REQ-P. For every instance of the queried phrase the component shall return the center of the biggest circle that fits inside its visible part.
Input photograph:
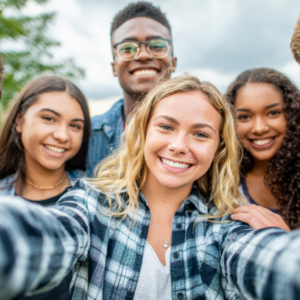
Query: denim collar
(106, 121)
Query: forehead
(256, 95)
(140, 28)
(189, 108)
(60, 102)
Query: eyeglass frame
(139, 47)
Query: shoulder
(75, 174)
(7, 185)
(110, 116)
(82, 192)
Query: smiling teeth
(145, 72)
(262, 142)
(175, 164)
(55, 149)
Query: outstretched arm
(39, 246)
(264, 264)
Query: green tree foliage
(31, 56)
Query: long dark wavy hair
(12, 158)
(283, 175)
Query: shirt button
(111, 149)
(180, 296)
(178, 226)
(107, 127)
(176, 255)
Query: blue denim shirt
(105, 137)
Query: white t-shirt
(155, 279)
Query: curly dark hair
(283, 175)
(139, 9)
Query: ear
(19, 122)
(114, 68)
(174, 63)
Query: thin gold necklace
(48, 187)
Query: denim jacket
(105, 137)
(208, 260)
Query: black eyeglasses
(158, 48)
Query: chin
(263, 157)
(144, 89)
(171, 184)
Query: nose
(259, 126)
(143, 54)
(179, 144)
(61, 133)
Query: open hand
(258, 217)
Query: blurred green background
(28, 52)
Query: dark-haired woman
(42, 145)
(268, 121)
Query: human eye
(128, 48)
(48, 118)
(201, 135)
(243, 117)
(165, 127)
(274, 112)
(76, 126)
(158, 44)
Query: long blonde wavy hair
(127, 169)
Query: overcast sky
(213, 39)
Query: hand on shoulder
(259, 217)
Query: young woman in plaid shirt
(155, 223)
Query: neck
(164, 200)
(130, 101)
(260, 167)
(40, 175)
(43, 177)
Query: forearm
(38, 247)
(264, 264)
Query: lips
(173, 164)
(144, 72)
(262, 143)
(57, 150)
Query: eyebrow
(194, 126)
(266, 107)
(272, 105)
(150, 37)
(59, 115)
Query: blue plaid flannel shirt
(208, 260)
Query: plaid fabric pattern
(208, 260)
